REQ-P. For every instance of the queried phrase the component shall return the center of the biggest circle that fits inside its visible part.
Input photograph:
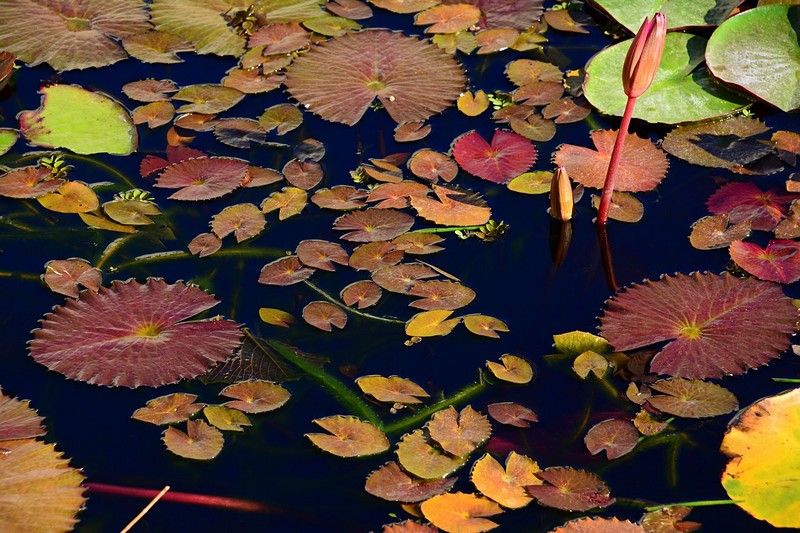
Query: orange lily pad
(603, 525)
(396, 195)
(276, 317)
(512, 414)
(391, 483)
(324, 315)
(512, 369)
(570, 489)
(506, 485)
(453, 208)
(400, 278)
(320, 254)
(169, 409)
(431, 165)
(458, 511)
(473, 105)
(418, 243)
(71, 197)
(284, 271)
(448, 18)
(373, 225)
(459, 433)
(431, 324)
(225, 418)
(362, 293)
(440, 295)
(392, 389)
(245, 221)
(201, 441)
(290, 201)
(149, 90)
(374, 255)
(715, 231)
(348, 436)
(692, 398)
(255, 396)
(419, 457)
(486, 326)
(340, 197)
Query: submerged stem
(446, 230)
(348, 309)
(700, 503)
(174, 255)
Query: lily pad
(348, 437)
(676, 82)
(570, 489)
(255, 396)
(512, 414)
(200, 441)
(458, 511)
(245, 221)
(717, 324)
(133, 334)
(79, 120)
(373, 225)
(692, 398)
(459, 433)
(506, 485)
(757, 51)
(199, 22)
(18, 420)
(746, 202)
(391, 483)
(391, 389)
(375, 255)
(203, 178)
(679, 13)
(616, 436)
(418, 456)
(339, 79)
(362, 293)
(779, 261)
(452, 208)
(64, 276)
(168, 409)
(324, 315)
(225, 418)
(508, 156)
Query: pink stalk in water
(641, 65)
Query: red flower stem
(185, 497)
(613, 164)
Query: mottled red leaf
(134, 334)
(391, 483)
(28, 182)
(64, 276)
(321, 254)
(779, 261)
(340, 197)
(284, 271)
(399, 278)
(508, 156)
(205, 244)
(616, 436)
(203, 178)
(570, 489)
(303, 175)
(373, 225)
(440, 295)
(747, 202)
(168, 409)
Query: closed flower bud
(562, 203)
(644, 56)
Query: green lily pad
(680, 13)
(758, 51)
(8, 138)
(79, 120)
(678, 94)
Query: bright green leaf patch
(79, 120)
(680, 13)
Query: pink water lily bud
(562, 203)
(644, 56)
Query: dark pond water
(515, 279)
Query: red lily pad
(391, 483)
(339, 79)
(440, 295)
(133, 334)
(303, 174)
(324, 315)
(418, 243)
(747, 202)
(373, 225)
(717, 324)
(779, 261)
(205, 244)
(280, 38)
(507, 157)
(245, 221)
(642, 164)
(203, 178)
(400, 278)
(396, 195)
(570, 489)
(255, 396)
(374, 255)
(512, 414)
(201, 441)
(616, 436)
(362, 293)
(517, 14)
(149, 90)
(284, 271)
(28, 182)
(320, 254)
(351, 9)
(64, 276)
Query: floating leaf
(576, 342)
(506, 485)
(200, 23)
(391, 483)
(303, 174)
(739, 55)
(570, 489)
(524, 71)
(280, 38)
(39, 491)
(747, 202)
(71, 197)
(396, 195)
(282, 118)
(431, 165)
(154, 114)
(713, 232)
(563, 20)
(65, 275)
(149, 90)
(487, 326)
(508, 156)
(616, 436)
(472, 105)
(324, 315)
(28, 182)
(352, 9)
(459, 433)
(391, 389)
(537, 182)
(590, 361)
(251, 82)
(431, 324)
(512, 369)
(677, 81)
(340, 197)
(517, 14)
(779, 261)
(103, 222)
(448, 18)
(495, 40)
(458, 511)
(625, 207)
(168, 409)
(400, 278)
(133, 334)
(762, 442)
(331, 26)
(255, 396)
(668, 520)
(405, 6)
(201, 441)
(321, 254)
(339, 79)
(418, 243)
(18, 421)
(718, 324)
(383, 171)
(440, 295)
(601, 525)
(203, 178)
(156, 47)
(374, 255)
(373, 225)
(276, 317)
(258, 359)
(363, 293)
(419, 457)
(692, 398)
(411, 131)
(642, 165)
(512, 414)
(290, 201)
(284, 271)
(409, 526)
(239, 132)
(69, 35)
(245, 221)
(132, 212)
(207, 98)
(205, 244)
(225, 418)
(79, 120)
(453, 208)
(348, 437)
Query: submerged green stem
(113, 247)
(700, 503)
(450, 229)
(786, 380)
(174, 255)
(348, 309)
(459, 397)
(341, 392)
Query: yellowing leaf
(460, 512)
(72, 197)
(419, 457)
(473, 105)
(290, 201)
(431, 323)
(577, 342)
(391, 389)
(537, 182)
(168, 409)
(487, 326)
(449, 209)
(225, 418)
(276, 317)
(348, 437)
(511, 368)
(506, 485)
(459, 433)
(255, 396)
(590, 361)
(764, 445)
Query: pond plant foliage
(664, 350)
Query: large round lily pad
(679, 92)
(680, 13)
(79, 120)
(758, 51)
